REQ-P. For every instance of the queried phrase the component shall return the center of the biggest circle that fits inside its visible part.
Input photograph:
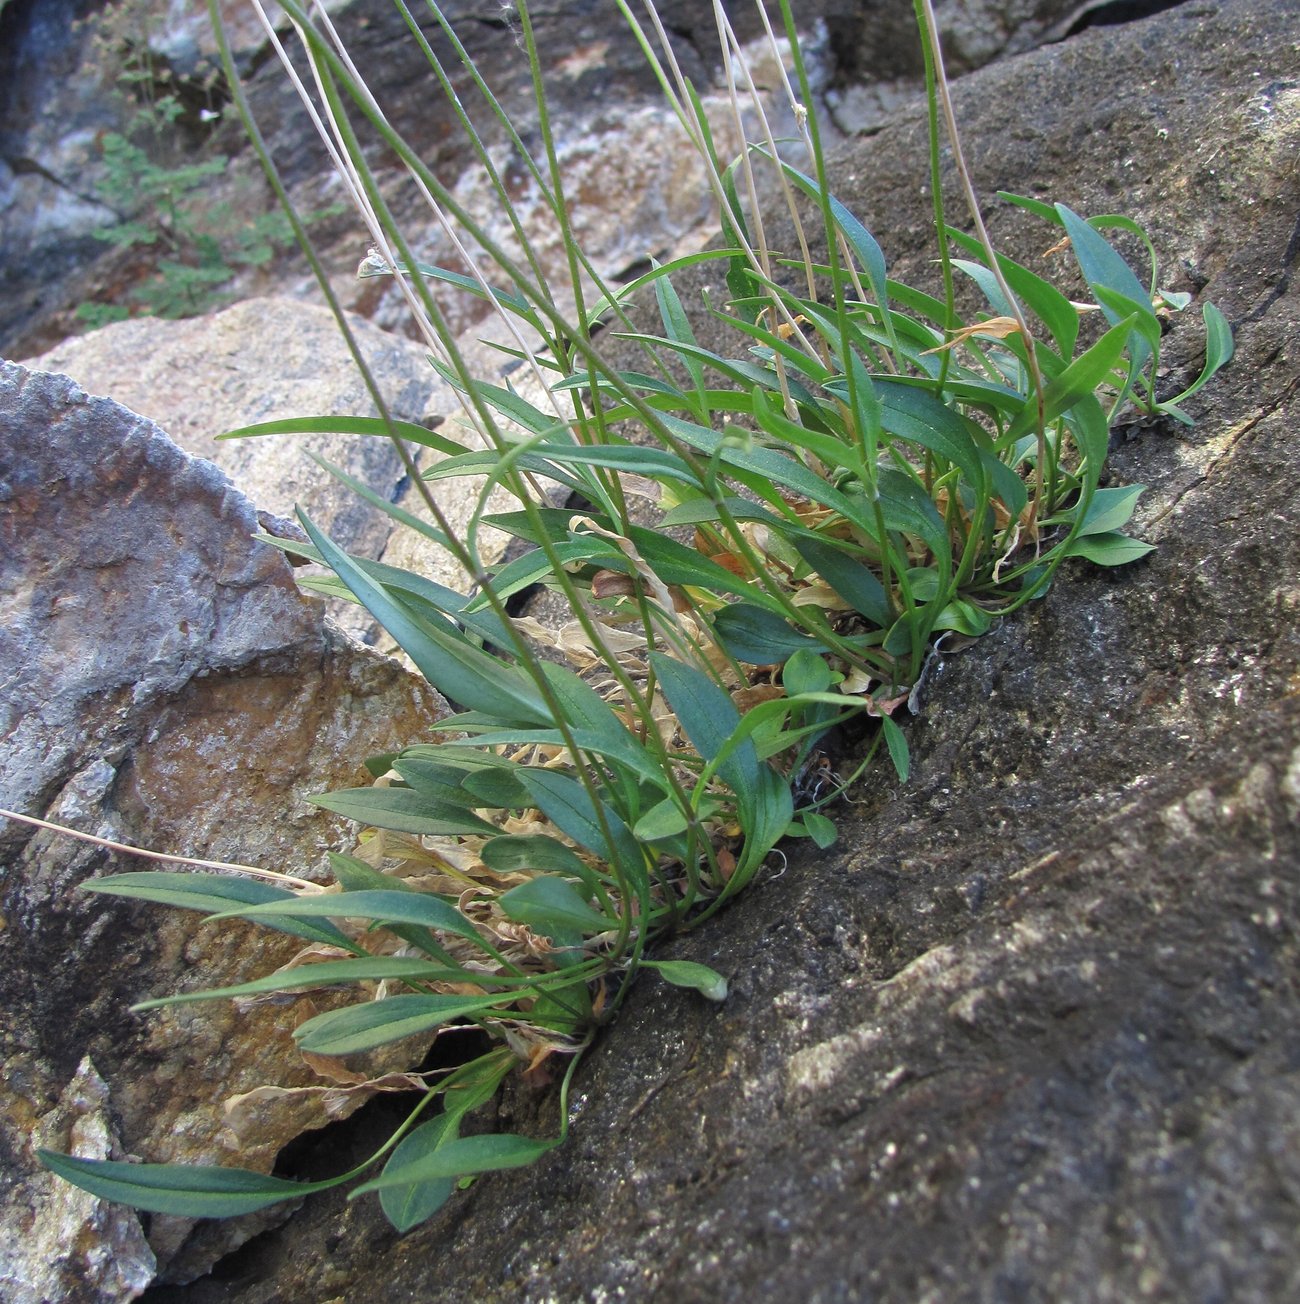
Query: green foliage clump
(859, 473)
(157, 179)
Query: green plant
(860, 473)
(161, 199)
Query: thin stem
(269, 875)
(930, 29)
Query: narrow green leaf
(383, 504)
(553, 522)
(1102, 266)
(333, 425)
(488, 460)
(326, 973)
(583, 708)
(1219, 347)
(460, 1158)
(697, 510)
(861, 240)
(766, 809)
(850, 578)
(377, 1023)
(450, 663)
(1035, 206)
(919, 417)
(654, 463)
(435, 777)
(356, 876)
(620, 748)
(896, 742)
(1087, 423)
(675, 563)
(625, 293)
(708, 717)
(507, 298)
(738, 372)
(833, 452)
(188, 1190)
(1041, 297)
(523, 413)
(523, 851)
(534, 566)
(214, 894)
(1120, 306)
(385, 906)
(758, 636)
(1075, 384)
(403, 810)
(568, 805)
(498, 788)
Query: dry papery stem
(125, 848)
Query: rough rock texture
(265, 360)
(162, 683)
(268, 359)
(1031, 1031)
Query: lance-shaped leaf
(450, 663)
(708, 718)
(568, 805)
(188, 1190)
(1077, 383)
(393, 906)
(1103, 267)
(339, 425)
(214, 894)
(533, 851)
(461, 1158)
(402, 809)
(386, 968)
(758, 636)
(376, 1023)
(554, 907)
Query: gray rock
(1031, 1030)
(269, 359)
(266, 360)
(162, 683)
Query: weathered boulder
(265, 360)
(269, 359)
(162, 683)
(1032, 1029)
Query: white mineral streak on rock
(58, 1242)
